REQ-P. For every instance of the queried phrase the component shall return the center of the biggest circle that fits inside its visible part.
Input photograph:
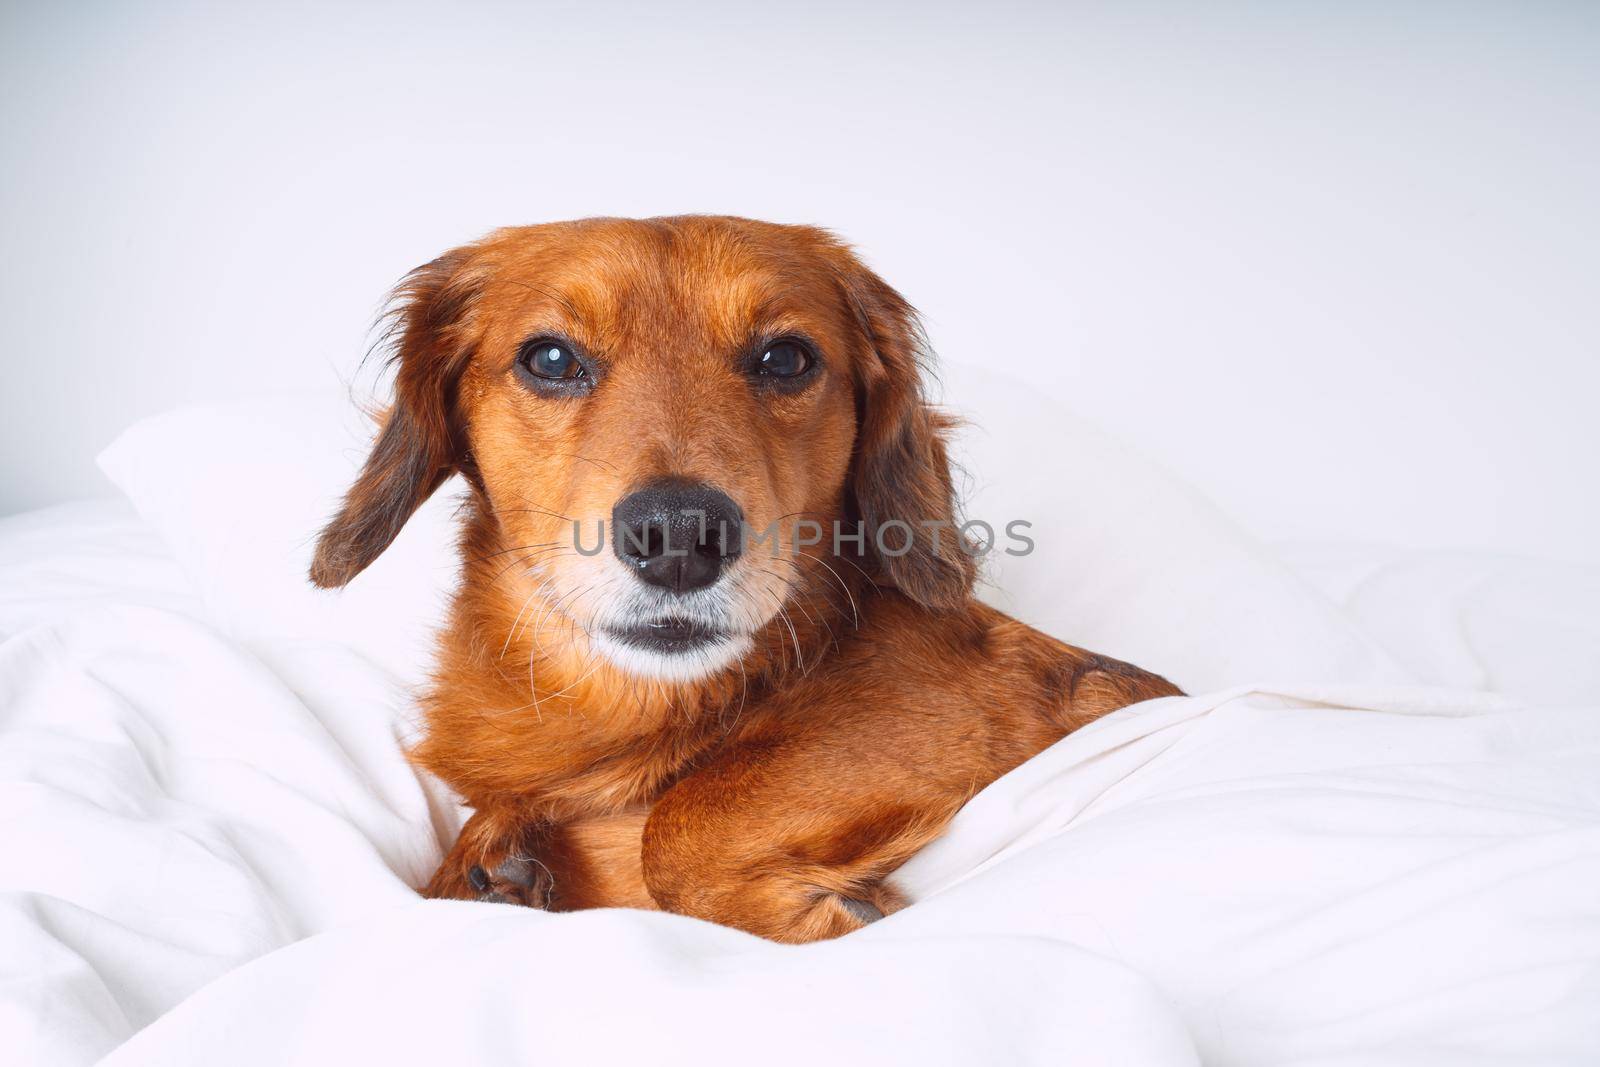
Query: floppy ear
(418, 445)
(902, 471)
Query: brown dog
(756, 731)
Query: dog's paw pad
(514, 880)
(522, 873)
(865, 911)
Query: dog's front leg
(782, 848)
(495, 858)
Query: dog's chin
(672, 650)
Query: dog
(757, 734)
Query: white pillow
(1126, 562)
(1132, 563)
(240, 491)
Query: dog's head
(648, 412)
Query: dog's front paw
(514, 880)
(495, 858)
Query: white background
(1333, 263)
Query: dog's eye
(549, 359)
(784, 359)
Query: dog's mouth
(668, 635)
(650, 633)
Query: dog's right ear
(420, 443)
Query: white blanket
(209, 849)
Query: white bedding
(209, 844)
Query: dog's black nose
(677, 534)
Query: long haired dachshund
(716, 714)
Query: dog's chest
(608, 773)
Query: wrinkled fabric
(211, 848)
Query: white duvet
(1377, 846)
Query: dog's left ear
(901, 480)
(419, 445)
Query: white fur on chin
(689, 666)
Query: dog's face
(651, 395)
(652, 411)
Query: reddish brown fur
(770, 795)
